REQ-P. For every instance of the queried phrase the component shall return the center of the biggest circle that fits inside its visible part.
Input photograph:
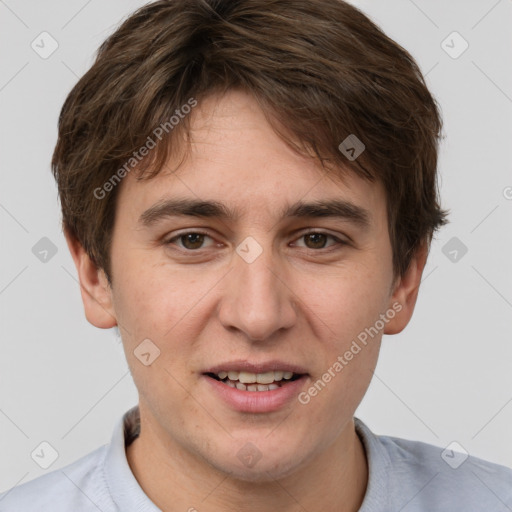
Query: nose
(258, 299)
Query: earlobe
(405, 293)
(94, 287)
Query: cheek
(340, 384)
(345, 303)
(346, 309)
(151, 298)
(167, 306)
(152, 303)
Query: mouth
(255, 386)
(247, 381)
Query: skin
(299, 301)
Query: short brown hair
(319, 68)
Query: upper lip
(251, 367)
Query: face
(258, 291)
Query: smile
(256, 392)
(247, 381)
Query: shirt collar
(379, 469)
(124, 489)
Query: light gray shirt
(404, 476)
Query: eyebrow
(185, 207)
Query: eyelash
(338, 245)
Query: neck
(176, 480)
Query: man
(249, 194)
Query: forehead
(236, 165)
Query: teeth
(265, 378)
(233, 375)
(246, 377)
(252, 387)
(255, 378)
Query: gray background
(446, 377)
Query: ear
(94, 287)
(405, 292)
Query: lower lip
(257, 401)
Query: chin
(263, 474)
(253, 465)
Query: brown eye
(317, 240)
(190, 241)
